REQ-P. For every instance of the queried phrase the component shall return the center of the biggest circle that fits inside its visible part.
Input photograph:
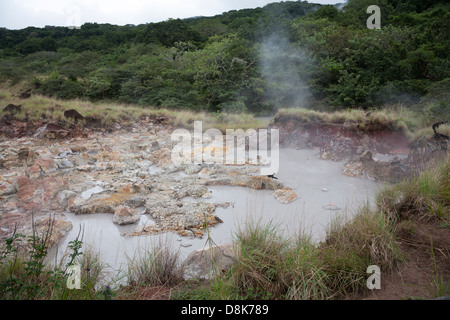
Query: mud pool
(324, 194)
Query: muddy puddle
(324, 194)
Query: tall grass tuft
(269, 266)
(259, 266)
(158, 266)
(423, 197)
(352, 246)
(305, 277)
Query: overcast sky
(18, 14)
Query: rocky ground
(48, 170)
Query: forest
(285, 54)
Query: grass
(352, 246)
(396, 117)
(24, 274)
(158, 266)
(103, 114)
(425, 196)
(438, 287)
(271, 267)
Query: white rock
(124, 215)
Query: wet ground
(324, 194)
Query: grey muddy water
(324, 194)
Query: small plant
(107, 292)
(158, 266)
(26, 276)
(438, 287)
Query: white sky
(18, 14)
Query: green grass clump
(350, 247)
(424, 196)
(158, 266)
(259, 267)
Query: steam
(284, 68)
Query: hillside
(287, 54)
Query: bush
(158, 266)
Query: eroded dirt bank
(372, 150)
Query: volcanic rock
(12, 108)
(285, 195)
(51, 131)
(26, 94)
(209, 262)
(73, 114)
(37, 194)
(8, 185)
(124, 215)
(366, 166)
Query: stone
(191, 190)
(52, 131)
(41, 167)
(189, 219)
(209, 262)
(135, 201)
(285, 195)
(242, 180)
(37, 194)
(79, 206)
(26, 94)
(26, 155)
(8, 185)
(12, 108)
(65, 164)
(366, 156)
(162, 157)
(81, 159)
(332, 207)
(46, 164)
(73, 114)
(124, 215)
(155, 146)
(64, 197)
(104, 166)
(366, 166)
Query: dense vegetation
(257, 60)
